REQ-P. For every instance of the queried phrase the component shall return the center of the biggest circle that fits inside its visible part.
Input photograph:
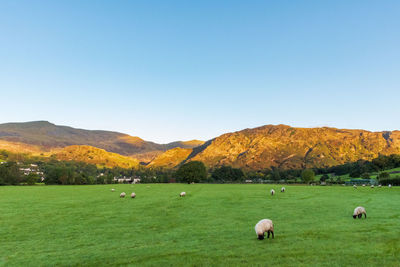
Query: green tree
(275, 175)
(227, 174)
(32, 178)
(59, 174)
(194, 171)
(355, 173)
(10, 173)
(308, 176)
(109, 179)
(90, 180)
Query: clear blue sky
(179, 70)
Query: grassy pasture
(212, 225)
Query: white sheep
(372, 186)
(122, 194)
(133, 195)
(359, 211)
(389, 185)
(182, 194)
(363, 185)
(380, 186)
(263, 226)
(283, 189)
(354, 186)
(272, 192)
(113, 190)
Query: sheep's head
(354, 216)
(261, 237)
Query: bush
(324, 177)
(383, 176)
(391, 180)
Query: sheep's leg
(272, 232)
(365, 215)
(359, 216)
(268, 234)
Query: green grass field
(212, 225)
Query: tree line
(79, 173)
(196, 172)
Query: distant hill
(184, 144)
(43, 136)
(96, 156)
(152, 155)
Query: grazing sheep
(272, 192)
(380, 186)
(113, 190)
(389, 185)
(263, 226)
(363, 185)
(182, 194)
(359, 211)
(354, 186)
(133, 195)
(372, 186)
(122, 194)
(283, 190)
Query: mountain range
(268, 146)
(46, 137)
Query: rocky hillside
(151, 156)
(288, 148)
(171, 158)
